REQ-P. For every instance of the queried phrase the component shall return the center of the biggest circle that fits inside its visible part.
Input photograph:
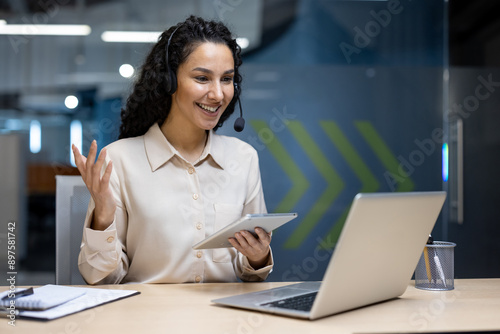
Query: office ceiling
(42, 70)
(34, 6)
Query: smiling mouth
(207, 108)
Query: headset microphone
(239, 124)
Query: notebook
(374, 259)
(45, 297)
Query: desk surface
(186, 308)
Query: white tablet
(267, 221)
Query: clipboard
(81, 299)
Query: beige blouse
(165, 205)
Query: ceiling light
(131, 36)
(126, 70)
(75, 133)
(243, 42)
(35, 136)
(45, 29)
(71, 102)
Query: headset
(239, 124)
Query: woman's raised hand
(98, 186)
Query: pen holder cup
(435, 269)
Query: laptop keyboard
(302, 302)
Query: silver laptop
(374, 259)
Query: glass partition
(339, 97)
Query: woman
(170, 181)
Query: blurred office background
(339, 97)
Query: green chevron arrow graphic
(333, 180)
(300, 183)
(354, 160)
(385, 155)
(329, 195)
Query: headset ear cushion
(171, 82)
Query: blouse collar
(159, 150)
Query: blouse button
(198, 255)
(190, 170)
(110, 239)
(197, 279)
(199, 226)
(195, 196)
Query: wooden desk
(186, 308)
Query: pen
(426, 259)
(440, 269)
(18, 293)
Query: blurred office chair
(72, 199)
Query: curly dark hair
(149, 101)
